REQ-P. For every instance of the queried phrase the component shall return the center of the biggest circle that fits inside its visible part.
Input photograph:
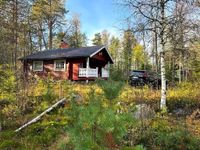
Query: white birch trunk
(162, 60)
(40, 116)
(163, 81)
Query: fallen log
(42, 114)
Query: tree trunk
(180, 72)
(163, 80)
(173, 71)
(162, 61)
(40, 37)
(42, 34)
(50, 34)
(156, 51)
(0, 127)
(144, 49)
(50, 26)
(14, 31)
(30, 42)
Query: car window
(138, 73)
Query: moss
(6, 135)
(10, 144)
(137, 147)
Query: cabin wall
(71, 71)
(72, 67)
(48, 70)
(102, 56)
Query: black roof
(64, 53)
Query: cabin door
(70, 71)
(99, 71)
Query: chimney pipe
(63, 44)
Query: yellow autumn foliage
(129, 94)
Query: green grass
(51, 128)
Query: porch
(93, 73)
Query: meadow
(98, 115)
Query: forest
(160, 37)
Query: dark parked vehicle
(154, 80)
(138, 77)
(144, 77)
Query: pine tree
(49, 13)
(129, 42)
(76, 38)
(114, 48)
(97, 40)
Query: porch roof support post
(108, 69)
(97, 72)
(87, 68)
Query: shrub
(94, 125)
(162, 133)
(185, 96)
(137, 147)
(64, 144)
(8, 83)
(110, 88)
(117, 74)
(193, 123)
(176, 139)
(42, 135)
(6, 135)
(9, 145)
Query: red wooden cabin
(86, 63)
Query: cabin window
(59, 65)
(37, 65)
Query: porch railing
(105, 73)
(93, 72)
(84, 72)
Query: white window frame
(55, 69)
(33, 67)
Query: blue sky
(96, 15)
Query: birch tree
(156, 16)
(105, 35)
(152, 12)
